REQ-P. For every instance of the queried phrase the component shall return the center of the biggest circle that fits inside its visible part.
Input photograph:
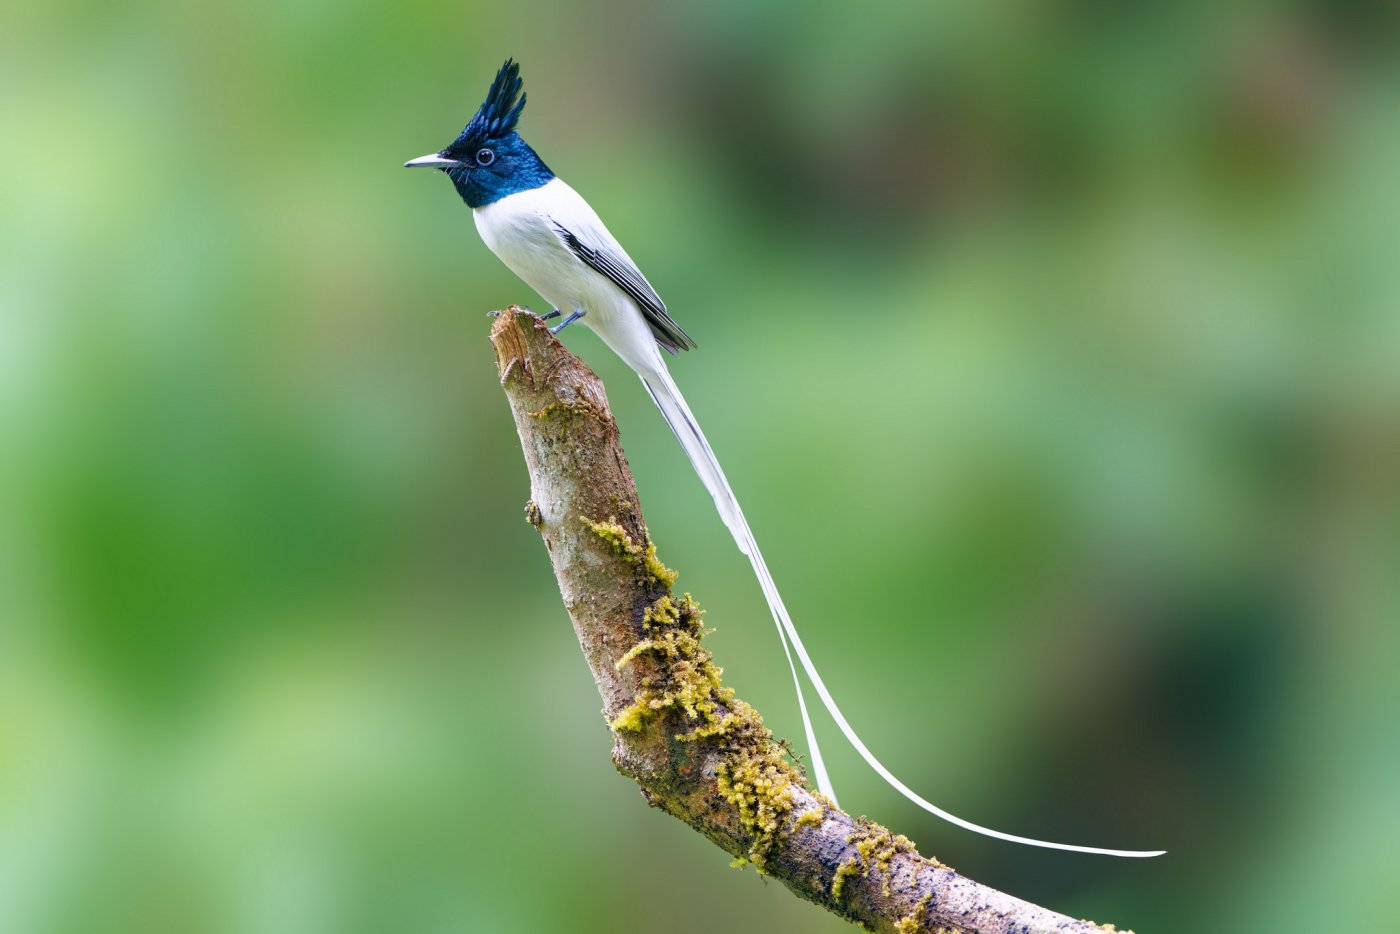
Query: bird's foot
(567, 321)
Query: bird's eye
(485, 157)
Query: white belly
(518, 229)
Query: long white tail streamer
(669, 400)
(673, 408)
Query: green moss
(562, 409)
(875, 846)
(614, 534)
(690, 681)
(843, 872)
(633, 718)
(910, 923)
(812, 818)
(665, 612)
(758, 782)
(683, 687)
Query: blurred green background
(1053, 349)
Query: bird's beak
(434, 160)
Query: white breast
(519, 229)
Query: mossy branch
(698, 752)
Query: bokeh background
(1052, 347)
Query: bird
(549, 236)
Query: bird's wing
(602, 253)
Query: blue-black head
(489, 160)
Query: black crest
(500, 112)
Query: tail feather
(669, 400)
(672, 404)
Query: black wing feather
(630, 280)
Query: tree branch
(699, 753)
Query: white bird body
(521, 230)
(526, 230)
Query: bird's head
(489, 160)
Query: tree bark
(699, 753)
